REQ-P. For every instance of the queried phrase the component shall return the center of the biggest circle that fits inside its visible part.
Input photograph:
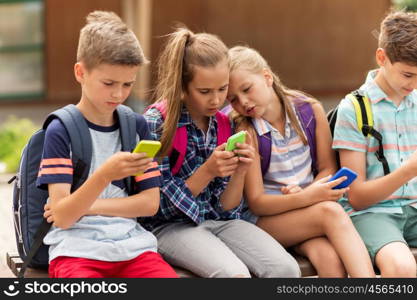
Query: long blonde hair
(184, 49)
(249, 59)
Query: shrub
(410, 5)
(14, 134)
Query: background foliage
(14, 134)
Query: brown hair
(249, 59)
(106, 39)
(398, 37)
(184, 49)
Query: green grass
(14, 134)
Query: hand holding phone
(351, 176)
(239, 137)
(151, 148)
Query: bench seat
(14, 262)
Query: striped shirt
(290, 158)
(398, 125)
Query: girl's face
(249, 93)
(207, 91)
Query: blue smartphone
(351, 175)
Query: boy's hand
(48, 213)
(321, 190)
(124, 164)
(222, 163)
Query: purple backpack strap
(227, 109)
(264, 148)
(308, 122)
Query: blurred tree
(410, 5)
(14, 134)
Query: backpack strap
(127, 125)
(226, 109)
(37, 243)
(81, 144)
(307, 119)
(364, 119)
(81, 147)
(180, 145)
(179, 142)
(223, 128)
(264, 148)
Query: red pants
(146, 265)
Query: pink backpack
(180, 139)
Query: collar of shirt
(262, 126)
(376, 94)
(185, 118)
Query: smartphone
(151, 148)
(351, 176)
(239, 137)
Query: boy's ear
(79, 72)
(268, 77)
(381, 57)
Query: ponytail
(183, 50)
(170, 84)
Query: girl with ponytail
(198, 224)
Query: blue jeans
(232, 248)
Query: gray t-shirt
(95, 237)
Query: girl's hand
(222, 163)
(321, 190)
(291, 189)
(124, 164)
(48, 213)
(246, 154)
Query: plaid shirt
(177, 202)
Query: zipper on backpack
(17, 225)
(12, 179)
(17, 219)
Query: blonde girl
(290, 202)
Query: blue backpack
(29, 200)
(307, 119)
